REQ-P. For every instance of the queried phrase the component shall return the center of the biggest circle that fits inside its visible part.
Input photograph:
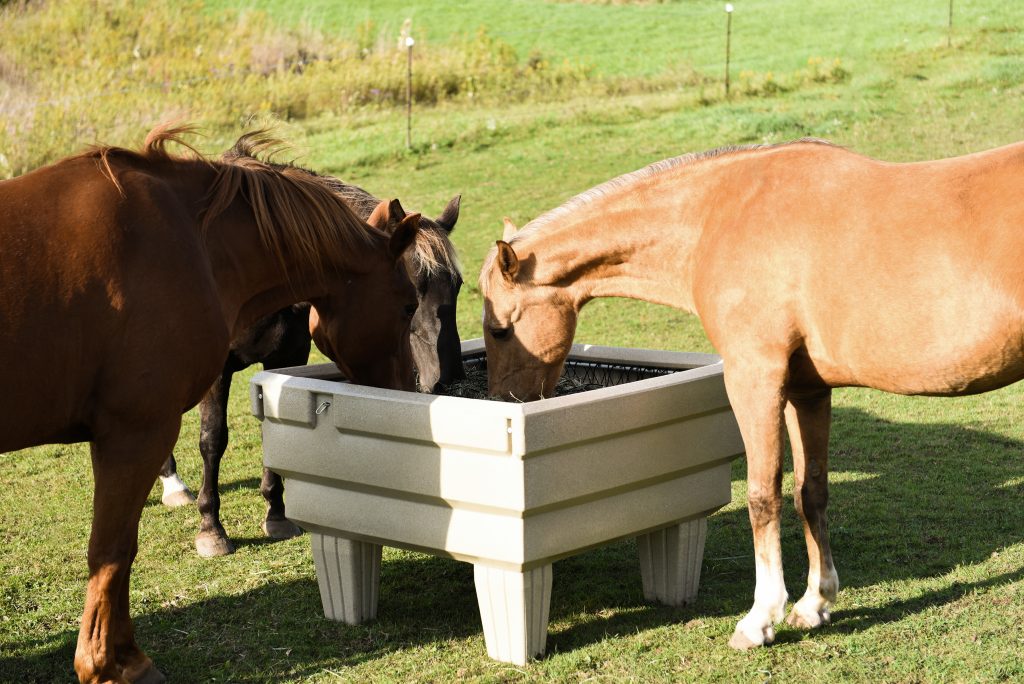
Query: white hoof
(178, 499)
(809, 616)
(176, 493)
(751, 633)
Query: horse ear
(396, 210)
(508, 262)
(450, 214)
(379, 216)
(404, 236)
(509, 230)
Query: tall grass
(79, 71)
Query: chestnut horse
(283, 339)
(114, 258)
(810, 267)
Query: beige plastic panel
(631, 406)
(505, 537)
(466, 534)
(360, 461)
(562, 532)
(631, 457)
(517, 484)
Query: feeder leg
(670, 561)
(348, 573)
(514, 610)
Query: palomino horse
(283, 339)
(114, 258)
(810, 267)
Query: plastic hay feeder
(508, 487)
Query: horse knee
(213, 441)
(764, 508)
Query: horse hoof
(281, 529)
(211, 545)
(150, 676)
(178, 499)
(808, 621)
(740, 641)
(143, 671)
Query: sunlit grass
(925, 508)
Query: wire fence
(713, 71)
(528, 41)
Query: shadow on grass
(909, 501)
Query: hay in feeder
(475, 386)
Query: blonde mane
(620, 182)
(654, 169)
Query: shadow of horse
(909, 501)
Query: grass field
(926, 514)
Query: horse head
(528, 327)
(363, 323)
(434, 334)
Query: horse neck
(636, 241)
(252, 280)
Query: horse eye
(500, 333)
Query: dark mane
(295, 211)
(153, 149)
(434, 254)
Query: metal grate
(589, 374)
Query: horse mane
(295, 211)
(654, 169)
(434, 254)
(586, 197)
(153, 149)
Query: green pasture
(926, 507)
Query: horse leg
(808, 419)
(212, 540)
(294, 353)
(125, 465)
(276, 525)
(176, 492)
(757, 397)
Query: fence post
(949, 30)
(728, 44)
(409, 42)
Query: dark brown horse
(283, 339)
(810, 267)
(113, 258)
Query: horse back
(97, 284)
(903, 277)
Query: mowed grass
(926, 515)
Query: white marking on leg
(176, 493)
(173, 484)
(758, 626)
